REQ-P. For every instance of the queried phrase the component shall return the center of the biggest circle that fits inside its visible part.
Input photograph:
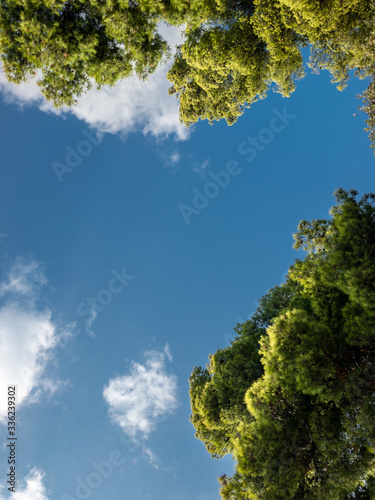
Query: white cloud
(167, 351)
(205, 164)
(24, 94)
(153, 459)
(137, 399)
(31, 489)
(28, 336)
(25, 278)
(131, 105)
(201, 167)
(175, 157)
(90, 321)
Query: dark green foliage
(218, 400)
(369, 107)
(293, 397)
(365, 492)
(71, 44)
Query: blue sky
(110, 295)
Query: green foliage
(218, 72)
(235, 50)
(364, 492)
(69, 45)
(368, 96)
(292, 398)
(217, 392)
(369, 107)
(238, 53)
(225, 64)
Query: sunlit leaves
(293, 397)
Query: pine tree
(293, 397)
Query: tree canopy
(232, 58)
(292, 398)
(234, 52)
(72, 44)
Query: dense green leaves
(217, 392)
(293, 397)
(72, 44)
(218, 72)
(235, 50)
(369, 95)
(231, 60)
(226, 65)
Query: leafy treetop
(235, 50)
(292, 398)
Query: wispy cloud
(32, 488)
(138, 399)
(90, 321)
(167, 351)
(169, 156)
(28, 335)
(201, 167)
(25, 278)
(150, 456)
(129, 106)
(175, 157)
